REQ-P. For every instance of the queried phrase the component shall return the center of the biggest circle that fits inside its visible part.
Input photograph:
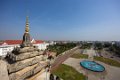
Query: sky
(61, 19)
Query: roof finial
(27, 25)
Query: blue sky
(61, 19)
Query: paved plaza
(111, 72)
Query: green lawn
(107, 61)
(68, 73)
(79, 56)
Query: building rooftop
(13, 42)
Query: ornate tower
(26, 37)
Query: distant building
(8, 45)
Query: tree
(98, 46)
(107, 45)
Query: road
(109, 55)
(61, 59)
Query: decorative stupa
(26, 37)
(25, 61)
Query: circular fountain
(92, 65)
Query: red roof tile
(1, 43)
(13, 42)
(39, 41)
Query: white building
(8, 45)
(41, 44)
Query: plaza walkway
(111, 72)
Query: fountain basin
(92, 65)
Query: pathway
(61, 59)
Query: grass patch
(68, 73)
(79, 56)
(107, 61)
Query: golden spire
(27, 25)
